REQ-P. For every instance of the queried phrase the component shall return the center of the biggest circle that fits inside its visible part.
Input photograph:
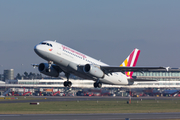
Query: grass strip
(112, 106)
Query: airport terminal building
(165, 79)
(171, 75)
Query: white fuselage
(67, 58)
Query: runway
(137, 116)
(85, 98)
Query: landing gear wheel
(97, 84)
(67, 84)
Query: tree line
(29, 76)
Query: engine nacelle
(44, 68)
(93, 70)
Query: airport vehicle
(64, 59)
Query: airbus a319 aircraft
(61, 58)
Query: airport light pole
(21, 70)
(34, 77)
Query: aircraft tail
(131, 61)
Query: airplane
(61, 58)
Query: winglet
(131, 61)
(167, 68)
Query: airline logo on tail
(131, 61)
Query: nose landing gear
(49, 67)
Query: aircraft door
(59, 49)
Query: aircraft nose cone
(37, 49)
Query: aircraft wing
(53, 65)
(109, 69)
(35, 65)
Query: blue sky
(104, 29)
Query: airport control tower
(9, 74)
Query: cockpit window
(44, 43)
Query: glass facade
(172, 75)
(158, 74)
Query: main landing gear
(67, 83)
(97, 84)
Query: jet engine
(93, 70)
(52, 71)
